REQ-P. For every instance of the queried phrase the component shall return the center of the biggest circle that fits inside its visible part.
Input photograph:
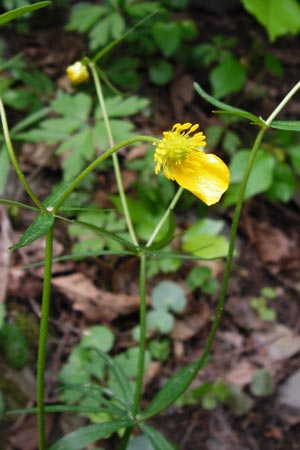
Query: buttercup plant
(181, 157)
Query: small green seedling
(260, 304)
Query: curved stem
(114, 155)
(43, 339)
(94, 164)
(165, 216)
(235, 222)
(15, 163)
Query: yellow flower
(179, 155)
(77, 73)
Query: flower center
(177, 145)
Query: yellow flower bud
(77, 73)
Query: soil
(268, 255)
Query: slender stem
(142, 348)
(125, 438)
(235, 222)
(283, 102)
(94, 164)
(114, 155)
(14, 161)
(43, 339)
(142, 342)
(165, 216)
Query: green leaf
(139, 442)
(4, 201)
(203, 240)
(168, 295)
(11, 15)
(160, 320)
(128, 360)
(167, 36)
(4, 168)
(38, 228)
(261, 384)
(278, 17)
(228, 109)
(30, 120)
(168, 237)
(84, 436)
(260, 179)
(14, 345)
(119, 374)
(156, 439)
(170, 392)
(161, 73)
(118, 106)
(77, 106)
(84, 16)
(284, 183)
(291, 125)
(228, 77)
(206, 246)
(102, 231)
(2, 315)
(99, 337)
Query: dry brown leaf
(188, 327)
(95, 304)
(272, 244)
(241, 374)
(182, 94)
(277, 344)
(25, 437)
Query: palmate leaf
(84, 436)
(38, 228)
(228, 109)
(11, 15)
(156, 438)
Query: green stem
(165, 216)
(43, 339)
(14, 161)
(125, 438)
(114, 155)
(142, 342)
(94, 164)
(234, 227)
(142, 349)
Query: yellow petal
(205, 175)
